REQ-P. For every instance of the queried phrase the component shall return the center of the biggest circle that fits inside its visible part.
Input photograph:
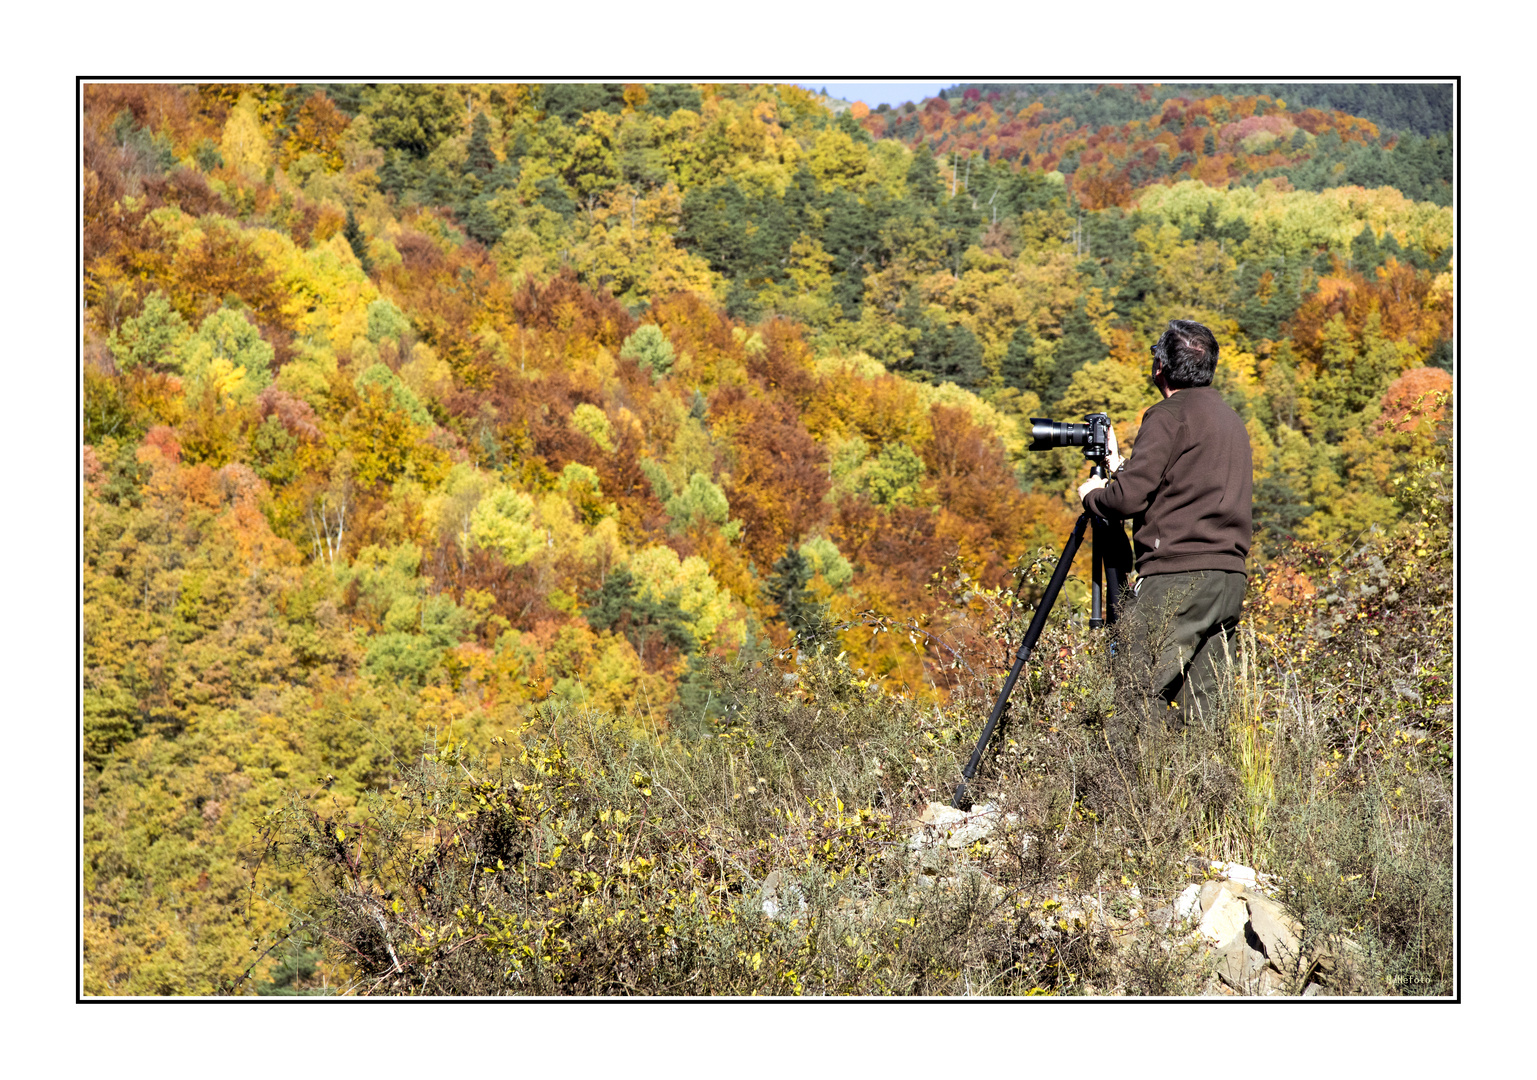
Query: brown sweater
(1187, 488)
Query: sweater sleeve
(1131, 492)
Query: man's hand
(1093, 483)
(1113, 459)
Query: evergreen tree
(1441, 356)
(355, 240)
(482, 223)
(664, 99)
(1080, 344)
(1138, 282)
(923, 176)
(619, 605)
(851, 127)
(700, 701)
(1278, 509)
(553, 196)
(480, 157)
(950, 354)
(1390, 249)
(1262, 311)
(798, 610)
(1018, 369)
(570, 100)
(1364, 256)
(207, 155)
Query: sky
(874, 94)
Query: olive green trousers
(1174, 647)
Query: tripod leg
(1026, 647)
(1113, 552)
(1096, 588)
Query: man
(1187, 490)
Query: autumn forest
(415, 416)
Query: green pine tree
(354, 236)
(788, 587)
(1018, 369)
(480, 157)
(923, 177)
(619, 605)
(1080, 345)
(1364, 254)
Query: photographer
(1187, 491)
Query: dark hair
(1188, 354)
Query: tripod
(1112, 559)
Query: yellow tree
(244, 143)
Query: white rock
(1224, 920)
(957, 828)
(1236, 872)
(1188, 904)
(780, 894)
(940, 814)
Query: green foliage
(386, 321)
(227, 356)
(619, 604)
(894, 476)
(413, 118)
(507, 522)
(648, 346)
(581, 485)
(415, 634)
(826, 561)
(1079, 346)
(701, 502)
(402, 395)
(152, 337)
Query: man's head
(1186, 355)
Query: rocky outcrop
(1231, 922)
(1254, 945)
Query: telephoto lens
(1050, 434)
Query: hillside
(419, 417)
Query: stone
(1339, 966)
(1188, 904)
(1211, 890)
(957, 828)
(940, 814)
(780, 896)
(1239, 965)
(1277, 930)
(1232, 871)
(1225, 919)
(1271, 983)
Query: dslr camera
(1093, 436)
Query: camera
(1093, 436)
